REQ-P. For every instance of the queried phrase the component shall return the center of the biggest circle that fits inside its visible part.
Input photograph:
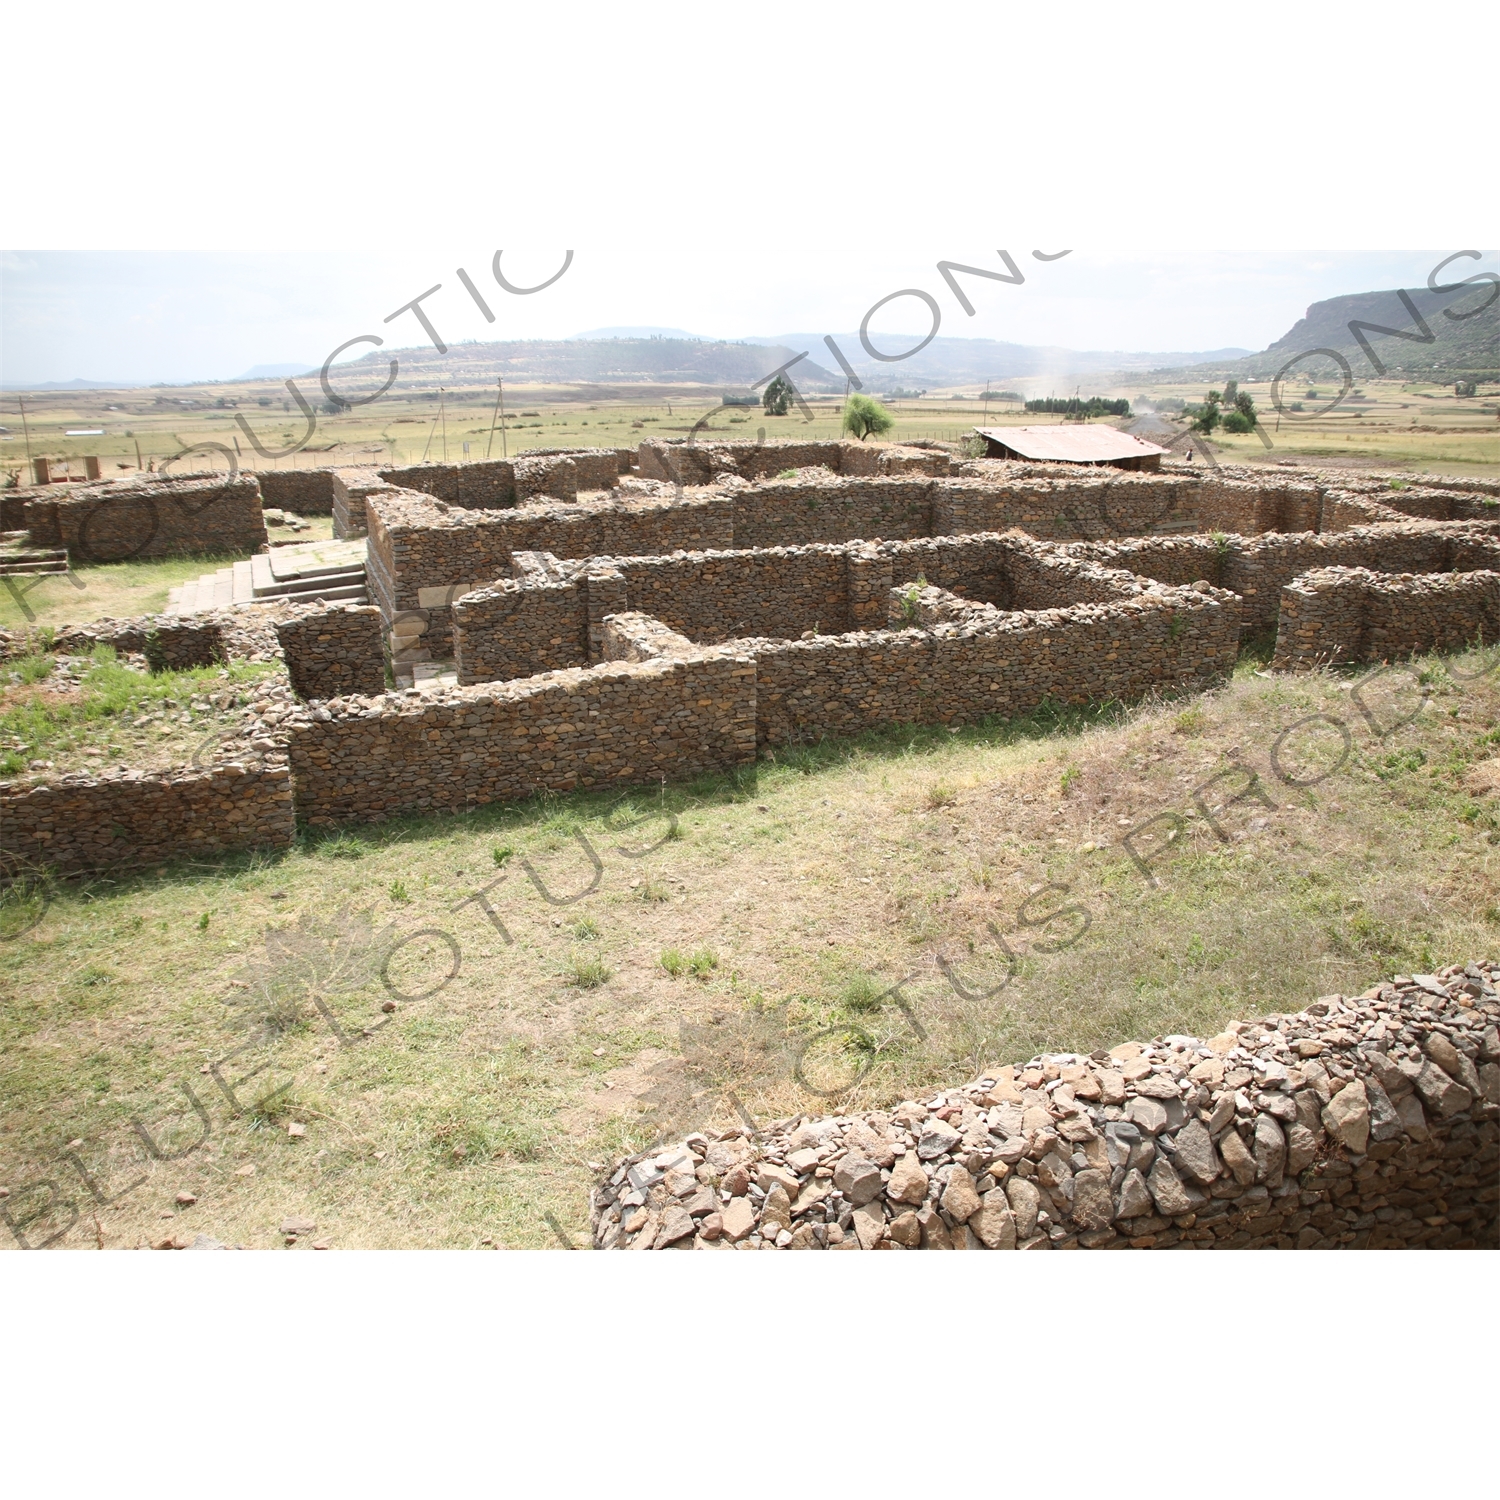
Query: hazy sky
(200, 190)
(147, 316)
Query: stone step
(244, 586)
(267, 585)
(223, 593)
(335, 589)
(33, 565)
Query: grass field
(1419, 423)
(459, 1099)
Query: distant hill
(1458, 346)
(604, 362)
(956, 361)
(604, 359)
(275, 372)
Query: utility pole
(443, 418)
(27, 432)
(499, 397)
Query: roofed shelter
(1071, 443)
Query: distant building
(1071, 443)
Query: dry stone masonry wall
(1361, 1122)
(134, 518)
(362, 760)
(334, 651)
(78, 822)
(1333, 615)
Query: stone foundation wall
(1064, 508)
(490, 485)
(637, 637)
(519, 627)
(996, 663)
(613, 724)
(711, 596)
(168, 642)
(140, 518)
(423, 554)
(1352, 614)
(539, 479)
(1368, 1122)
(596, 468)
(792, 512)
(333, 651)
(1258, 568)
(351, 487)
(304, 492)
(79, 823)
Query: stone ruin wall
(1258, 568)
(1340, 615)
(636, 637)
(1005, 666)
(333, 651)
(1022, 622)
(1364, 1122)
(304, 492)
(363, 760)
(133, 518)
(79, 822)
(499, 483)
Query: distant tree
(1206, 417)
(1231, 393)
(863, 415)
(1242, 418)
(777, 397)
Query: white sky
(145, 316)
(198, 192)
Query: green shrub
(674, 961)
(587, 973)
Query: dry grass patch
(841, 938)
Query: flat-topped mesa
(1369, 1121)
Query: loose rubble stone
(1347, 1117)
(1370, 1142)
(858, 1180)
(959, 1200)
(908, 1182)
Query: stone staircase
(332, 571)
(18, 556)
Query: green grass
(473, 1111)
(109, 689)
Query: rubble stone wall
(144, 518)
(80, 823)
(1353, 614)
(1362, 1122)
(351, 487)
(637, 637)
(519, 627)
(1066, 507)
(490, 485)
(999, 664)
(711, 596)
(1258, 568)
(792, 512)
(424, 554)
(363, 760)
(333, 651)
(304, 492)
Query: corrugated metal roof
(1070, 443)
